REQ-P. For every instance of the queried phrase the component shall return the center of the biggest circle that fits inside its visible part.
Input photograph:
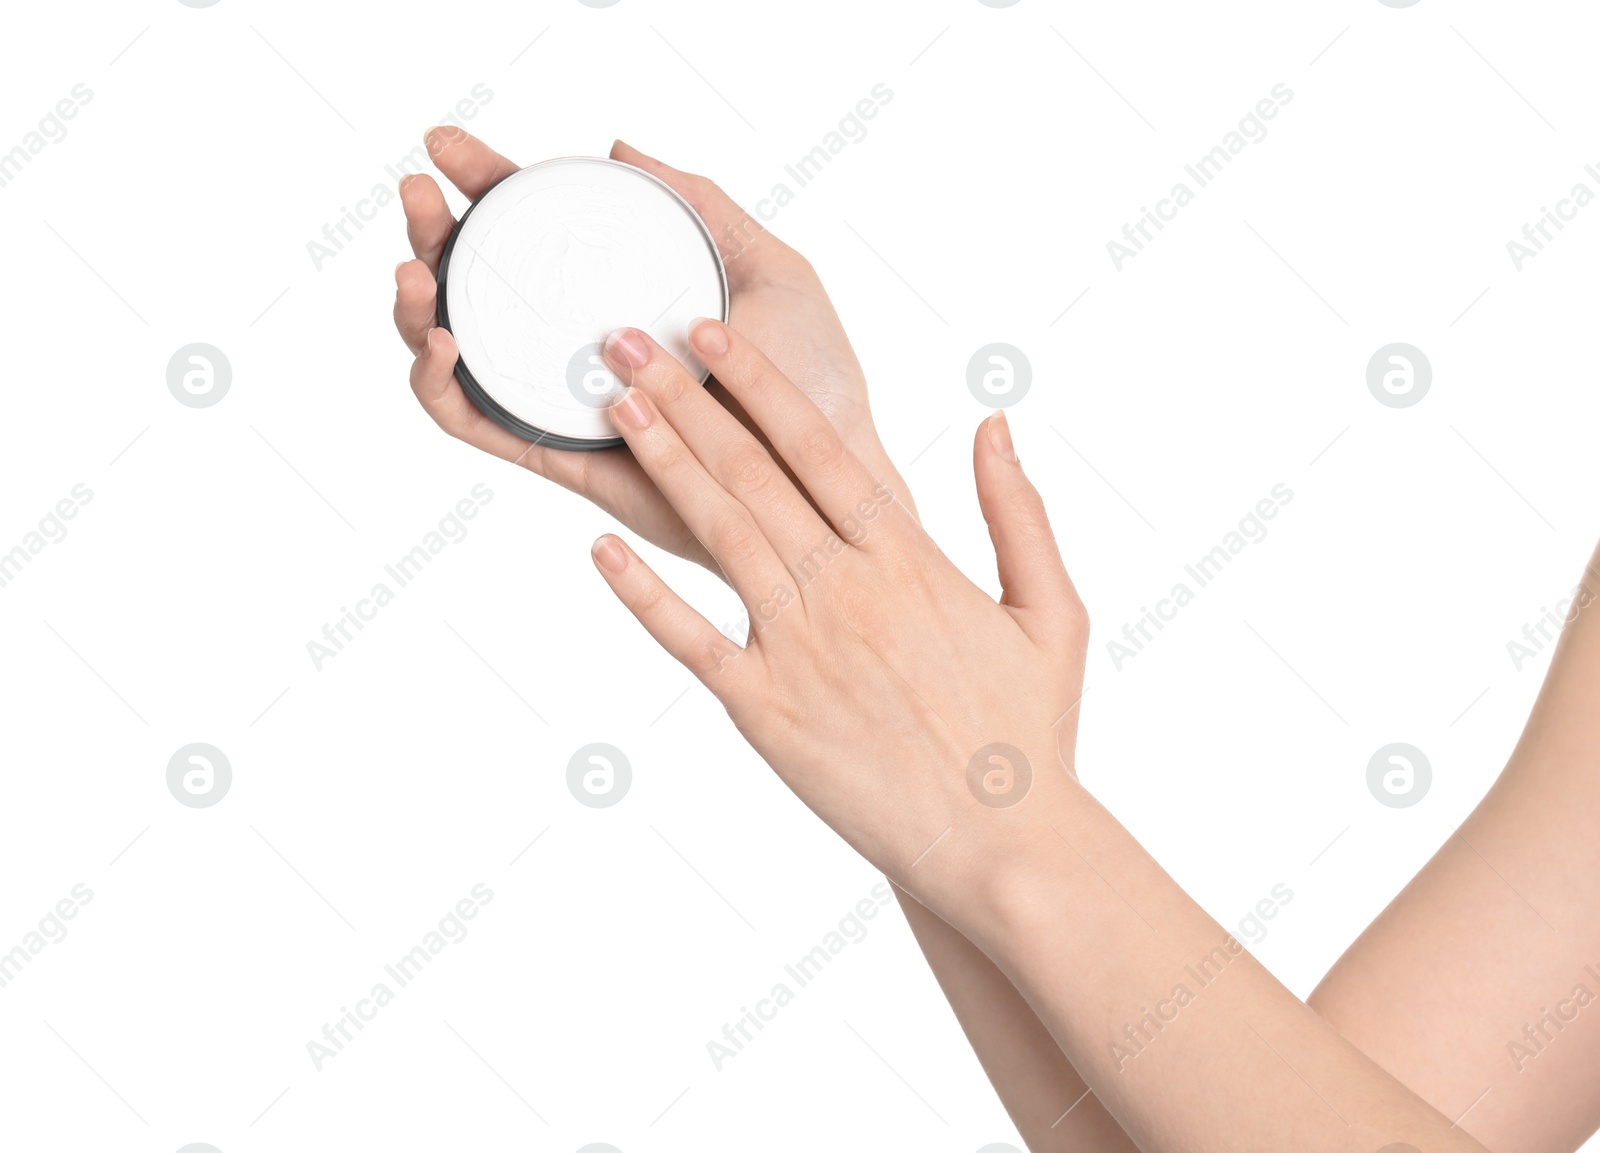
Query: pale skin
(1245, 1063)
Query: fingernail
(628, 345)
(632, 410)
(608, 552)
(440, 137)
(1000, 436)
(708, 337)
(405, 181)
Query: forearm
(1046, 1099)
(1504, 918)
(1438, 944)
(903, 705)
(1188, 1042)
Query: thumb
(747, 248)
(1036, 586)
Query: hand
(775, 296)
(777, 299)
(875, 672)
(876, 677)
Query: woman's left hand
(913, 714)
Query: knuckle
(715, 656)
(795, 264)
(912, 572)
(784, 717)
(1027, 518)
(1067, 624)
(699, 187)
(732, 539)
(704, 661)
(754, 374)
(1075, 616)
(820, 448)
(852, 603)
(432, 393)
(749, 469)
(1024, 501)
(572, 475)
(650, 599)
(668, 382)
(663, 456)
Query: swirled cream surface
(555, 257)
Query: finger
(611, 478)
(428, 219)
(434, 383)
(414, 303)
(801, 435)
(748, 250)
(686, 635)
(738, 462)
(717, 520)
(1036, 586)
(467, 162)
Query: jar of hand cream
(548, 262)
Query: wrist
(1030, 885)
(1002, 874)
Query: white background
(370, 796)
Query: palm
(795, 322)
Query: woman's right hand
(775, 297)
